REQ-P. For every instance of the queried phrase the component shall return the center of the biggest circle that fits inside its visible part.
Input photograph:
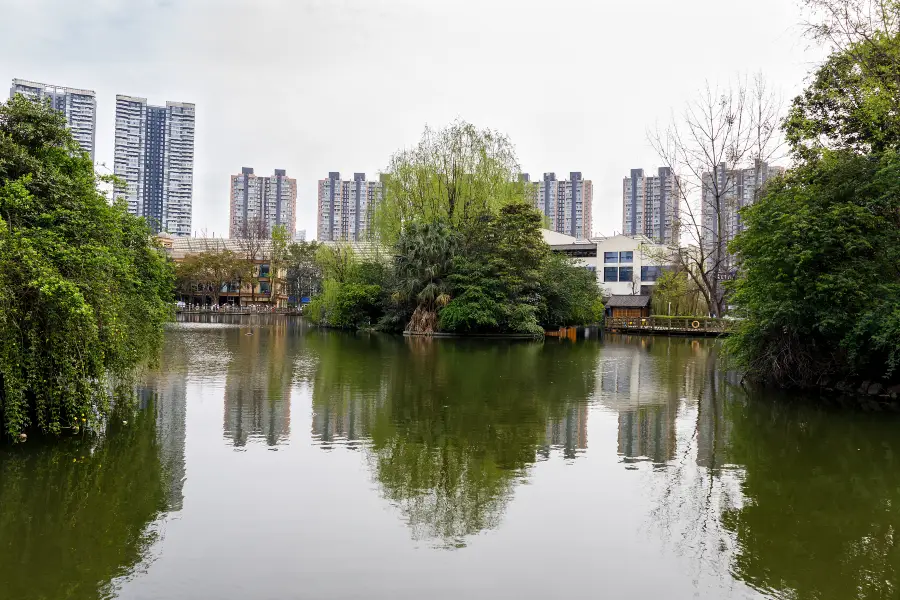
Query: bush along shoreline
(819, 277)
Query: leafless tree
(253, 236)
(846, 24)
(719, 133)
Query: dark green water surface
(272, 460)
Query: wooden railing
(671, 325)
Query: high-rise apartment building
(262, 202)
(567, 205)
(724, 193)
(347, 208)
(651, 205)
(78, 106)
(154, 155)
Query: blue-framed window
(626, 257)
(610, 274)
(626, 273)
(611, 257)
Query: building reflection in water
(257, 407)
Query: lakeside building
(266, 201)
(264, 289)
(734, 189)
(154, 156)
(346, 208)
(651, 205)
(78, 106)
(567, 205)
(625, 265)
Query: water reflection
(690, 486)
(76, 515)
(258, 380)
(452, 425)
(821, 510)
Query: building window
(650, 273)
(626, 274)
(264, 270)
(626, 257)
(264, 287)
(611, 257)
(610, 274)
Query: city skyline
(315, 123)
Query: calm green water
(271, 460)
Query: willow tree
(454, 175)
(83, 290)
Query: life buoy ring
(696, 324)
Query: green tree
(569, 293)
(496, 278)
(853, 101)
(425, 254)
(83, 290)
(820, 288)
(455, 176)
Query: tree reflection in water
(784, 494)
(452, 424)
(76, 514)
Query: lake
(269, 459)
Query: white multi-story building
(300, 235)
(347, 208)
(567, 205)
(270, 201)
(724, 193)
(651, 205)
(154, 155)
(78, 106)
(625, 265)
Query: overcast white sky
(314, 86)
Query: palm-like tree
(425, 256)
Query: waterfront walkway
(698, 326)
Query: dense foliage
(468, 255)
(821, 263)
(83, 290)
(820, 284)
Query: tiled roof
(628, 302)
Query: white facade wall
(625, 264)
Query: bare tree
(720, 132)
(851, 25)
(252, 238)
